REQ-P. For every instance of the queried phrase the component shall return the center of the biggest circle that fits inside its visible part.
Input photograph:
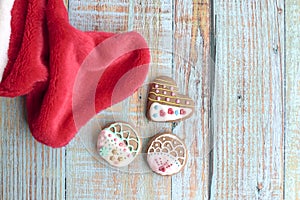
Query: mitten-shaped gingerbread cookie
(165, 104)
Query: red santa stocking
(68, 75)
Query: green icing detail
(104, 151)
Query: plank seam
(284, 99)
(65, 173)
(212, 85)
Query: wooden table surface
(239, 61)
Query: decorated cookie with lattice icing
(118, 144)
(166, 154)
(165, 104)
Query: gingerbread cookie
(119, 144)
(165, 104)
(166, 154)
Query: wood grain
(154, 20)
(292, 141)
(249, 100)
(244, 137)
(28, 170)
(87, 177)
(192, 73)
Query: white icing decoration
(168, 117)
(162, 160)
(109, 147)
(154, 162)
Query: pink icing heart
(162, 113)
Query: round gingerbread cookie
(166, 154)
(119, 144)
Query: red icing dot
(121, 144)
(109, 135)
(115, 139)
(182, 112)
(170, 111)
(124, 150)
(162, 169)
(162, 113)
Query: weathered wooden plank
(28, 170)
(248, 100)
(292, 140)
(88, 178)
(192, 73)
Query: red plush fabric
(68, 75)
(27, 50)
